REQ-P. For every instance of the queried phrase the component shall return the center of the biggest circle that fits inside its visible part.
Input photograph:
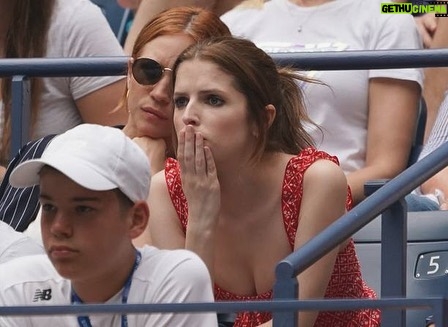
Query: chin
(65, 271)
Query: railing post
(285, 287)
(20, 113)
(393, 259)
(393, 254)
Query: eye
(83, 209)
(46, 207)
(215, 100)
(180, 102)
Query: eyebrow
(202, 92)
(75, 199)
(211, 91)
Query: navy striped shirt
(19, 206)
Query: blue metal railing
(388, 200)
(362, 59)
(105, 66)
(64, 67)
(234, 306)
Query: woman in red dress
(247, 187)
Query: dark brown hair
(256, 76)
(26, 38)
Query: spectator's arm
(392, 118)
(438, 182)
(98, 106)
(426, 25)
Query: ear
(270, 114)
(139, 219)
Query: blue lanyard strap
(84, 321)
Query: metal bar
(285, 287)
(20, 112)
(231, 306)
(393, 259)
(336, 60)
(329, 60)
(64, 67)
(363, 59)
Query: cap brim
(81, 172)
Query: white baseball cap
(99, 158)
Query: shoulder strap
(174, 184)
(293, 188)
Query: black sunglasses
(148, 71)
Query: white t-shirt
(163, 276)
(341, 107)
(14, 244)
(78, 29)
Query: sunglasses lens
(147, 71)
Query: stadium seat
(427, 258)
(117, 17)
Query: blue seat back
(419, 134)
(117, 17)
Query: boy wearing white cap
(94, 182)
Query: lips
(60, 252)
(155, 113)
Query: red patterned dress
(346, 280)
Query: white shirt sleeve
(14, 244)
(392, 32)
(80, 29)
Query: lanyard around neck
(84, 321)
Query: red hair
(195, 22)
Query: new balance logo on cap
(42, 295)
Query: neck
(242, 182)
(309, 3)
(101, 288)
(130, 130)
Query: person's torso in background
(340, 107)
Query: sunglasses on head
(148, 71)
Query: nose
(60, 226)
(190, 115)
(162, 90)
